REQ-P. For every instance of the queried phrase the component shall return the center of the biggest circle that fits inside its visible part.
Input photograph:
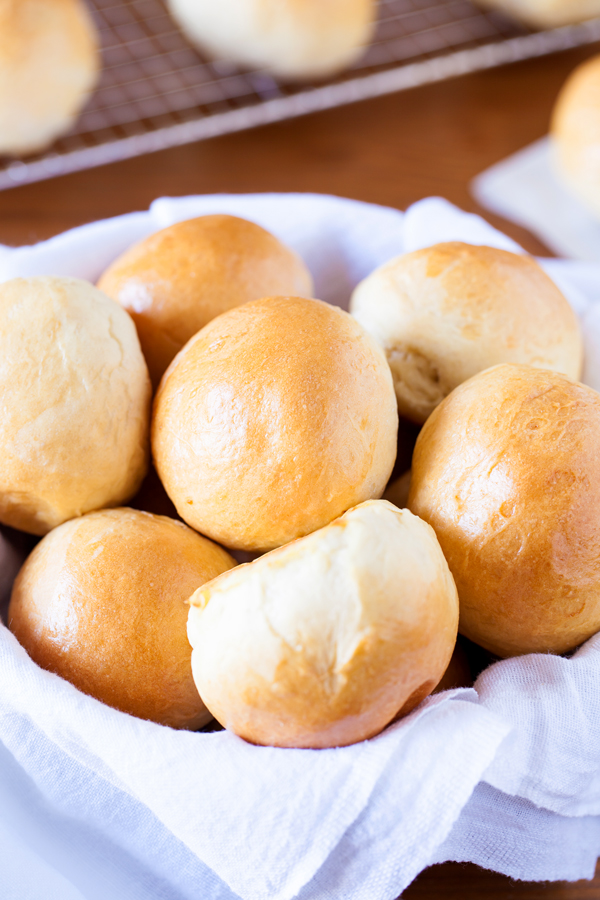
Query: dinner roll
(174, 282)
(75, 402)
(101, 601)
(295, 39)
(444, 313)
(274, 419)
(507, 471)
(575, 132)
(48, 65)
(322, 642)
(546, 13)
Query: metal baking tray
(156, 91)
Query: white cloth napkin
(525, 189)
(95, 803)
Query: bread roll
(75, 402)
(295, 39)
(101, 601)
(174, 282)
(507, 471)
(273, 420)
(546, 13)
(322, 642)
(48, 65)
(575, 132)
(444, 313)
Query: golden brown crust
(321, 642)
(176, 281)
(75, 397)
(276, 418)
(444, 313)
(101, 601)
(48, 64)
(507, 471)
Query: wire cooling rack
(156, 91)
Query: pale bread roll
(507, 472)
(101, 601)
(176, 281)
(272, 421)
(444, 313)
(575, 132)
(295, 39)
(48, 65)
(546, 13)
(323, 642)
(75, 398)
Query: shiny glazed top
(175, 281)
(101, 601)
(507, 471)
(273, 420)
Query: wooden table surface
(394, 151)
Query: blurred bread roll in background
(101, 601)
(49, 63)
(444, 313)
(175, 281)
(546, 13)
(273, 420)
(323, 642)
(575, 133)
(507, 472)
(295, 39)
(75, 402)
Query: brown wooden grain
(393, 151)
